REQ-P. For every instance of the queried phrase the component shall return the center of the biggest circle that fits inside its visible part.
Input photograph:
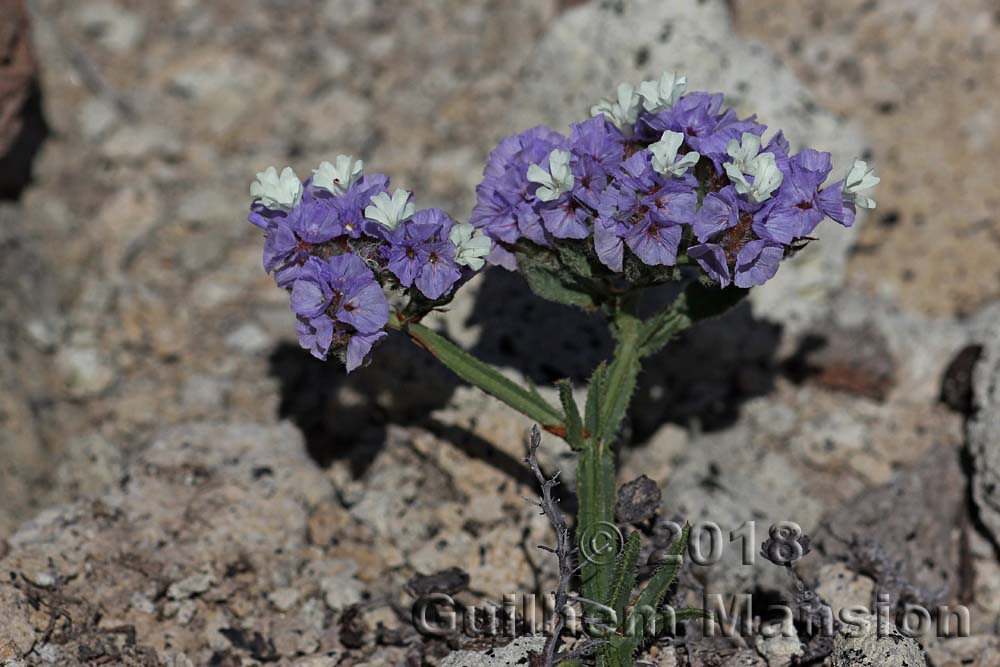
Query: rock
(724, 482)
(190, 586)
(637, 500)
(779, 651)
(924, 265)
(905, 534)
(87, 370)
(231, 500)
(341, 592)
(866, 648)
(116, 29)
(248, 338)
(514, 653)
(90, 467)
(841, 587)
(983, 429)
(977, 651)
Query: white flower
(277, 192)
(390, 212)
(554, 182)
(659, 95)
(744, 151)
(338, 177)
(624, 111)
(665, 155)
(766, 177)
(472, 246)
(860, 178)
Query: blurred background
(142, 346)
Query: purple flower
(359, 345)
(597, 139)
(565, 218)
(342, 287)
(757, 262)
(407, 254)
(316, 220)
(719, 211)
(831, 202)
(644, 211)
(315, 335)
(797, 207)
(505, 203)
(712, 258)
(339, 305)
(350, 206)
(706, 130)
(420, 253)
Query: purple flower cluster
(337, 241)
(661, 174)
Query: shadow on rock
(343, 417)
(703, 376)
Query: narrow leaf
(624, 578)
(484, 376)
(592, 410)
(574, 424)
(666, 573)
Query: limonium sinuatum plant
(659, 186)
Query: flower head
(277, 192)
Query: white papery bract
(555, 182)
(390, 212)
(662, 94)
(766, 177)
(665, 155)
(277, 192)
(623, 112)
(339, 176)
(744, 150)
(859, 178)
(473, 246)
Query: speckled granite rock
(890, 65)
(867, 645)
(515, 653)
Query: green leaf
(548, 279)
(574, 259)
(595, 489)
(574, 424)
(592, 410)
(484, 376)
(691, 614)
(624, 578)
(655, 590)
